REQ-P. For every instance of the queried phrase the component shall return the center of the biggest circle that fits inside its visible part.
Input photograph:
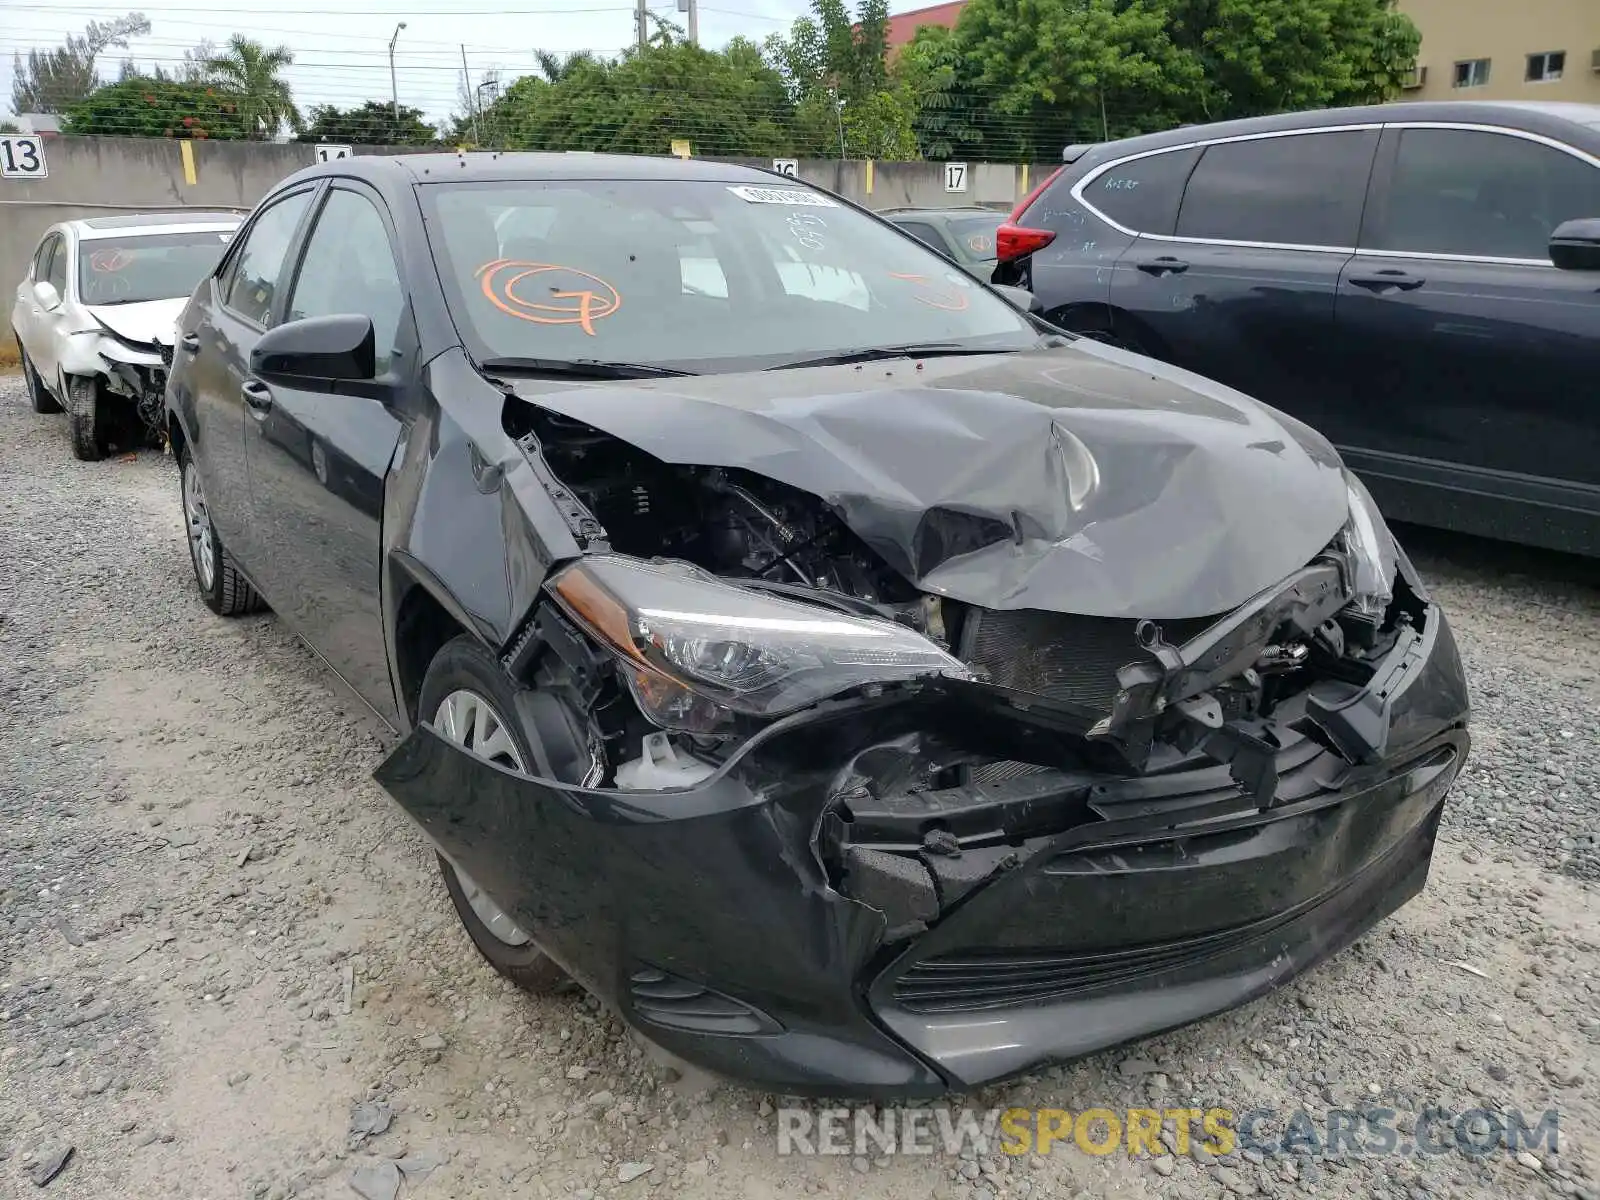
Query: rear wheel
(226, 592)
(86, 418)
(471, 702)
(41, 400)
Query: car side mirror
(318, 349)
(1575, 245)
(1020, 297)
(47, 296)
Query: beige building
(1506, 50)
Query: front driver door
(318, 458)
(27, 314)
(47, 321)
(1477, 357)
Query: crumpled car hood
(1083, 479)
(150, 321)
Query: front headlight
(1372, 548)
(695, 649)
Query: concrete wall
(1505, 33)
(101, 176)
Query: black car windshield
(695, 275)
(156, 266)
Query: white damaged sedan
(96, 313)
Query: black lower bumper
(717, 922)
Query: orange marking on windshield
(947, 298)
(591, 300)
(106, 261)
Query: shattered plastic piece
(49, 1166)
(370, 1118)
(628, 1172)
(379, 1180)
(417, 1167)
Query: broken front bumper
(727, 922)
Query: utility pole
(472, 96)
(394, 90)
(641, 17)
(694, 22)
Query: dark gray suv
(1420, 282)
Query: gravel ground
(219, 939)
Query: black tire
(464, 665)
(227, 593)
(40, 398)
(86, 418)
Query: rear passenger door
(238, 306)
(1477, 359)
(1240, 287)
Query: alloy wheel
(470, 721)
(202, 542)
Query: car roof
(1535, 116)
(970, 210)
(478, 165)
(144, 224)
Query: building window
(1474, 72)
(1546, 67)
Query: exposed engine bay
(137, 371)
(1078, 691)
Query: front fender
(466, 519)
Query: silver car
(95, 318)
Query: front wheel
(471, 702)
(38, 397)
(86, 418)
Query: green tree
(372, 124)
(1262, 56)
(252, 73)
(834, 66)
(947, 119)
(727, 102)
(146, 107)
(52, 81)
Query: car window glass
(1304, 190)
(56, 273)
(924, 233)
(41, 260)
(147, 266)
(703, 275)
(975, 235)
(1460, 191)
(349, 268)
(260, 260)
(1143, 195)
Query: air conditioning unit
(1594, 62)
(1418, 77)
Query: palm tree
(249, 71)
(554, 68)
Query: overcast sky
(341, 54)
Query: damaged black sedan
(859, 684)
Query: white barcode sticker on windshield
(792, 196)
